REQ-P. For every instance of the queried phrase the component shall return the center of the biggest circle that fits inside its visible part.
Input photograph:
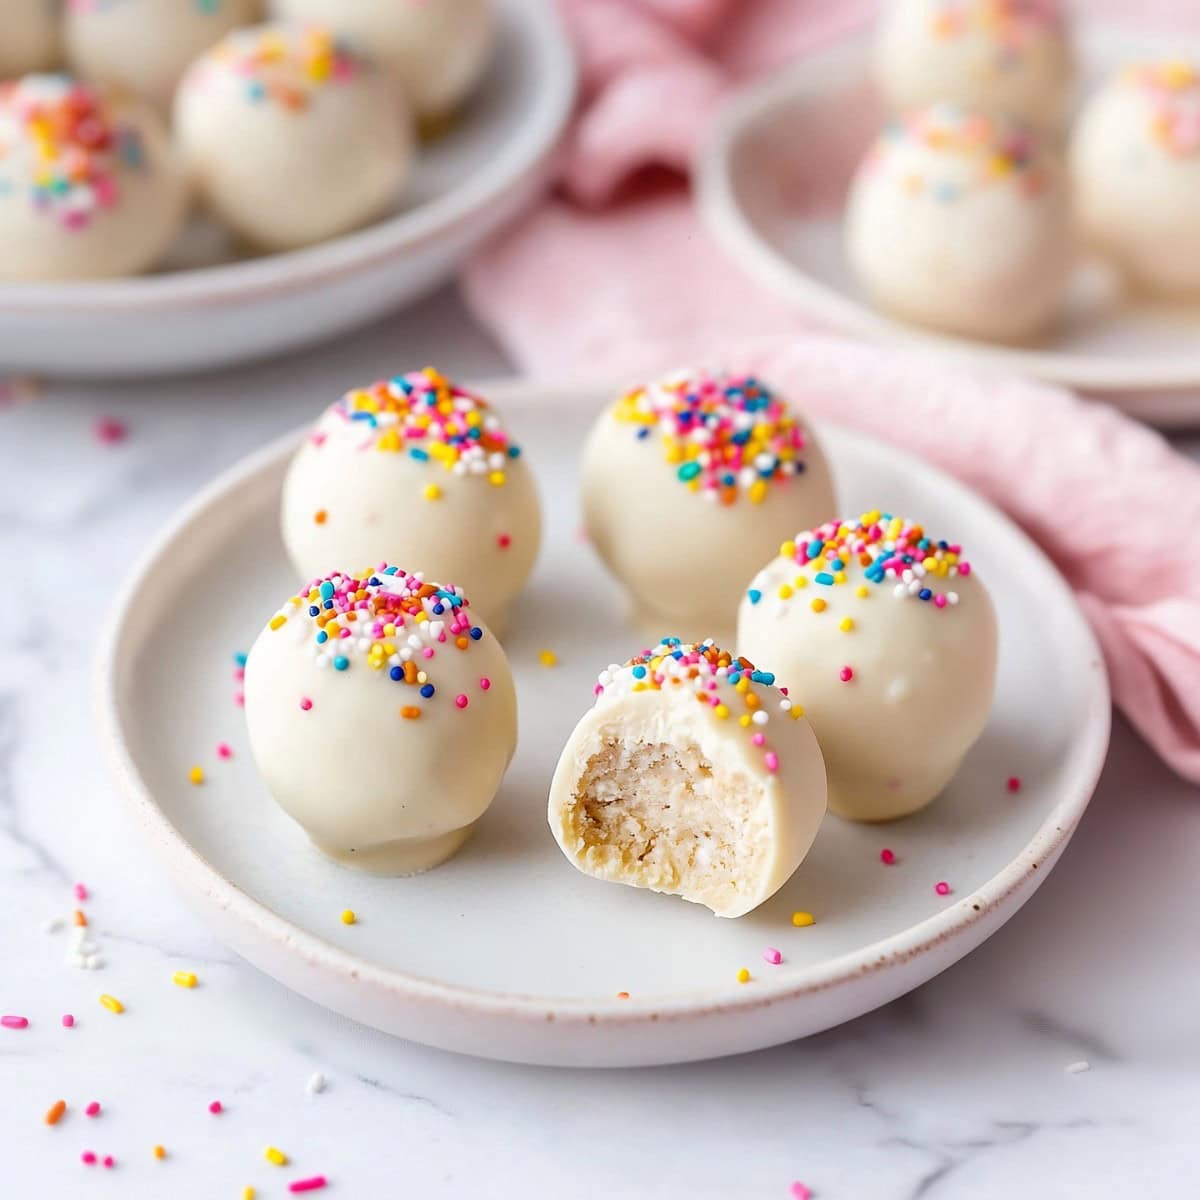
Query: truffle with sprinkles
(1002, 57)
(890, 637)
(1135, 159)
(693, 774)
(961, 221)
(89, 187)
(382, 716)
(328, 134)
(416, 469)
(689, 484)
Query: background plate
(507, 951)
(772, 178)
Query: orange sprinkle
(620, 996)
(410, 671)
(410, 712)
(320, 516)
(80, 918)
(55, 1112)
(462, 643)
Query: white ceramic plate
(507, 951)
(771, 181)
(205, 310)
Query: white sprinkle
(316, 1083)
(760, 717)
(53, 925)
(1078, 1068)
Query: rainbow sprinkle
(61, 145)
(1011, 23)
(723, 434)
(390, 621)
(732, 688)
(1173, 89)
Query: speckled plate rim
(541, 32)
(813, 75)
(998, 898)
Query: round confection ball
(30, 37)
(990, 56)
(89, 185)
(655, 790)
(897, 699)
(372, 787)
(683, 558)
(290, 138)
(144, 46)
(438, 51)
(963, 224)
(1135, 163)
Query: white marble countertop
(959, 1090)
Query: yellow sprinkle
(160, 1152)
(839, 577)
(818, 605)
(112, 1003)
(272, 1155)
(758, 491)
(348, 917)
(247, 1193)
(785, 592)
(184, 979)
(432, 492)
(744, 720)
(743, 976)
(787, 550)
(721, 711)
(801, 581)
(797, 711)
(861, 591)
(196, 775)
(278, 621)
(800, 919)
(548, 658)
(496, 479)
(846, 624)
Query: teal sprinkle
(341, 662)
(689, 471)
(823, 577)
(755, 595)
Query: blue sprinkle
(327, 604)
(815, 548)
(240, 659)
(514, 452)
(639, 672)
(322, 637)
(643, 433)
(365, 416)
(397, 673)
(838, 565)
(438, 609)
(313, 611)
(419, 454)
(476, 633)
(391, 570)
(341, 662)
(427, 690)
(372, 582)
(823, 577)
(327, 590)
(925, 594)
(755, 595)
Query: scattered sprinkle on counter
(316, 1084)
(548, 658)
(224, 750)
(887, 857)
(93, 1109)
(1013, 783)
(160, 1152)
(622, 995)
(349, 917)
(196, 776)
(275, 1156)
(1078, 1068)
(111, 1003)
(802, 919)
(55, 1112)
(743, 975)
(942, 888)
(110, 431)
(14, 1022)
(216, 1108)
(800, 1192)
(772, 956)
(248, 1193)
(88, 1158)
(313, 1184)
(80, 892)
(68, 1021)
(184, 979)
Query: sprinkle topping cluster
(1010, 23)
(204, 7)
(713, 676)
(59, 140)
(724, 434)
(286, 66)
(976, 151)
(428, 418)
(388, 621)
(1173, 89)
(888, 550)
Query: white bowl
(465, 186)
(507, 951)
(771, 180)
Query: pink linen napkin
(614, 273)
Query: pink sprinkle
(88, 1158)
(800, 1192)
(315, 1184)
(223, 750)
(758, 738)
(239, 698)
(939, 601)
(215, 1107)
(771, 759)
(428, 652)
(846, 674)
(504, 541)
(964, 568)
(81, 893)
(771, 955)
(461, 701)
(68, 1021)
(942, 889)
(93, 1109)
(887, 857)
(109, 1161)
(110, 431)
(15, 1022)
(239, 673)
(1014, 783)
(484, 684)
(305, 704)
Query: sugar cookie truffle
(144, 46)
(962, 223)
(888, 640)
(1135, 161)
(689, 485)
(691, 775)
(382, 717)
(1007, 58)
(28, 37)
(291, 137)
(415, 469)
(88, 184)
(437, 49)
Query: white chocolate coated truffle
(89, 187)
(29, 38)
(690, 484)
(962, 223)
(437, 49)
(291, 138)
(382, 723)
(144, 46)
(1135, 162)
(1008, 58)
(414, 469)
(887, 639)
(690, 775)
